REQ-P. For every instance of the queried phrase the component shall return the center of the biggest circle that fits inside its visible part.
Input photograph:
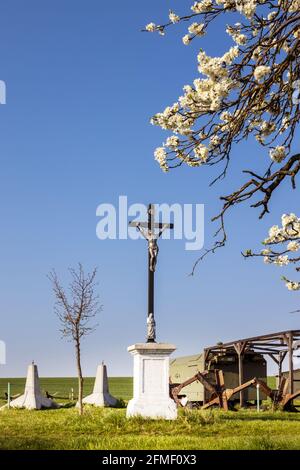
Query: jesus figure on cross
(152, 238)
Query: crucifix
(149, 232)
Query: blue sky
(82, 84)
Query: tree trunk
(80, 378)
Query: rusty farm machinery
(222, 397)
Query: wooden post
(241, 374)
(280, 366)
(205, 358)
(291, 369)
(240, 348)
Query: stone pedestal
(32, 398)
(101, 395)
(151, 381)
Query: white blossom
(293, 246)
(200, 7)
(172, 141)
(186, 39)
(281, 260)
(267, 128)
(261, 71)
(197, 29)
(173, 17)
(294, 6)
(293, 285)
(288, 235)
(161, 157)
(246, 7)
(272, 15)
(201, 152)
(151, 27)
(278, 153)
(256, 53)
(215, 140)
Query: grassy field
(109, 428)
(120, 387)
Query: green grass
(109, 429)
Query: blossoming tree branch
(253, 89)
(281, 245)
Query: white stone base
(151, 382)
(32, 398)
(150, 409)
(100, 395)
(100, 399)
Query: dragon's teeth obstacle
(100, 395)
(32, 398)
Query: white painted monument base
(101, 395)
(151, 381)
(32, 398)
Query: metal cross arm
(146, 225)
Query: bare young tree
(252, 89)
(75, 310)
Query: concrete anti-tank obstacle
(100, 395)
(32, 398)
